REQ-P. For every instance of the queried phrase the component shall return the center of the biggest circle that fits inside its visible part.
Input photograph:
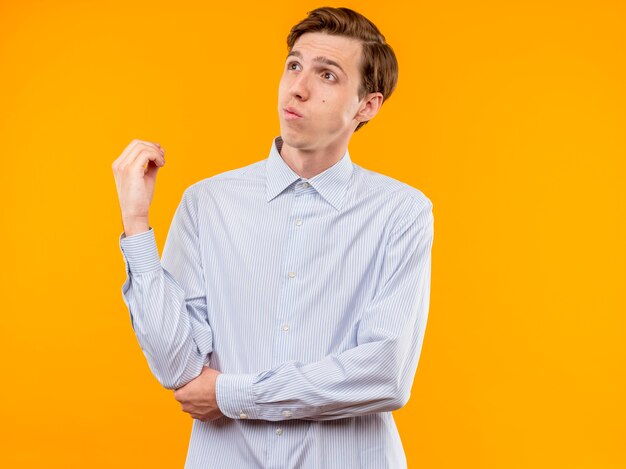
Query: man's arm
(374, 376)
(166, 298)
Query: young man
(289, 307)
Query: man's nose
(300, 86)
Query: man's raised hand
(135, 173)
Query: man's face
(324, 94)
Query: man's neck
(307, 164)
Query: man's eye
(325, 73)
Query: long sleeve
(166, 298)
(377, 374)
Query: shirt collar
(331, 184)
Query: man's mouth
(291, 113)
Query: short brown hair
(379, 67)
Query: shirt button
(298, 222)
(286, 413)
(279, 431)
(243, 415)
(285, 327)
(305, 184)
(292, 274)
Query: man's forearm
(168, 326)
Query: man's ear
(370, 107)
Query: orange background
(510, 117)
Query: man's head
(338, 72)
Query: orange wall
(510, 117)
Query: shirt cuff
(233, 393)
(140, 252)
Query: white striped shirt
(310, 295)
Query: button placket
(284, 343)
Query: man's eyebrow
(319, 59)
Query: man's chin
(294, 139)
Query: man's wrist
(135, 226)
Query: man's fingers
(133, 149)
(143, 151)
(130, 148)
(136, 142)
(143, 158)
